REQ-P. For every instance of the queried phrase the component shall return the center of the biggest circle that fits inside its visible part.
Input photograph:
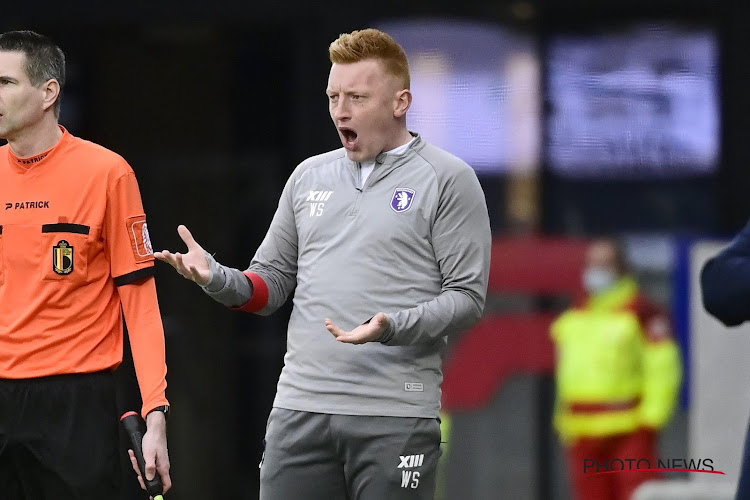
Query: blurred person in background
(725, 289)
(618, 375)
(389, 236)
(74, 255)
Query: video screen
(476, 91)
(636, 103)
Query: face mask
(597, 280)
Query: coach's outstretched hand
(193, 265)
(371, 331)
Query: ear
(403, 103)
(51, 91)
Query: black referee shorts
(59, 438)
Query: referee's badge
(62, 258)
(140, 241)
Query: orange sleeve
(131, 256)
(131, 260)
(141, 307)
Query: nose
(340, 111)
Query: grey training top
(413, 242)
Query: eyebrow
(347, 92)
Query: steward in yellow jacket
(618, 376)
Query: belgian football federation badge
(62, 257)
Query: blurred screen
(476, 91)
(642, 102)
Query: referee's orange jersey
(74, 248)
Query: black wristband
(164, 409)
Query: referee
(74, 254)
(385, 243)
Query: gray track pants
(311, 456)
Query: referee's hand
(155, 452)
(193, 265)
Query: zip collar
(385, 163)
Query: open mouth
(348, 137)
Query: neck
(36, 139)
(399, 139)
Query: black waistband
(64, 377)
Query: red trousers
(586, 453)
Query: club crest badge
(62, 258)
(402, 199)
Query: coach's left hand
(371, 331)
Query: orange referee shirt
(74, 248)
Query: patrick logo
(402, 198)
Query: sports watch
(164, 409)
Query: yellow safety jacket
(618, 366)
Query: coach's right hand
(193, 265)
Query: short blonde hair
(371, 44)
